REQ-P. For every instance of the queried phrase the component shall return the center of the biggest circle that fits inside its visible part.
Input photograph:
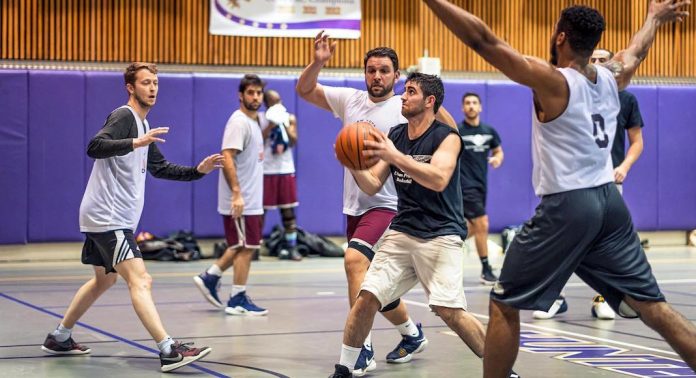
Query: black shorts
(109, 248)
(586, 231)
(474, 202)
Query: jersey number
(600, 135)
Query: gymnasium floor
(301, 336)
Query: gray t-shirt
(244, 135)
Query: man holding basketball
(367, 216)
(424, 241)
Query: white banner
(285, 18)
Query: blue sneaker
(408, 346)
(241, 304)
(209, 285)
(366, 362)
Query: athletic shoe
(487, 276)
(182, 354)
(408, 346)
(366, 362)
(241, 304)
(601, 309)
(341, 372)
(209, 284)
(559, 306)
(67, 347)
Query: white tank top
(574, 150)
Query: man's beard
(251, 105)
(413, 112)
(385, 90)
(142, 102)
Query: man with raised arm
(582, 224)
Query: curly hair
(583, 27)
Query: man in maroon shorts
(368, 216)
(240, 198)
(279, 186)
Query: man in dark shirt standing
(481, 146)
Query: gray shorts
(588, 232)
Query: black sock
(484, 261)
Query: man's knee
(504, 309)
(356, 264)
(105, 282)
(480, 224)
(445, 313)
(141, 281)
(367, 302)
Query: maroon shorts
(365, 230)
(243, 232)
(279, 191)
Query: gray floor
(301, 336)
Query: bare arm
(497, 157)
(307, 86)
(626, 62)
(635, 149)
(292, 130)
(445, 117)
(371, 180)
(532, 72)
(434, 175)
(229, 169)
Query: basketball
(350, 143)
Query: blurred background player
(481, 146)
(279, 185)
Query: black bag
(155, 248)
(307, 244)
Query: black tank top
(422, 212)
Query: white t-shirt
(352, 105)
(273, 163)
(115, 193)
(244, 135)
(574, 150)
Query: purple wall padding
(320, 176)
(56, 154)
(214, 100)
(14, 156)
(104, 92)
(511, 197)
(168, 203)
(677, 158)
(640, 186)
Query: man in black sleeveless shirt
(423, 243)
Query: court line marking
(116, 337)
(554, 330)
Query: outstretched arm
(532, 72)
(307, 86)
(626, 62)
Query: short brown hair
(133, 68)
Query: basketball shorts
(109, 248)
(474, 200)
(279, 191)
(588, 232)
(244, 231)
(364, 231)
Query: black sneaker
(67, 347)
(487, 276)
(341, 372)
(182, 354)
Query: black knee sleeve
(391, 306)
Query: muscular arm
(292, 130)
(307, 86)
(626, 62)
(445, 117)
(371, 180)
(437, 174)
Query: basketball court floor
(301, 336)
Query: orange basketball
(350, 143)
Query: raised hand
(323, 48)
(150, 137)
(669, 10)
(210, 162)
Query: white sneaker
(601, 309)
(559, 306)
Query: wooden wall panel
(176, 32)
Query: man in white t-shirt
(367, 216)
(240, 200)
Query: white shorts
(403, 260)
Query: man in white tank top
(582, 224)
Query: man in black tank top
(424, 241)
(582, 224)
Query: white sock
(236, 289)
(408, 329)
(349, 356)
(165, 346)
(368, 341)
(214, 270)
(61, 333)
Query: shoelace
(185, 346)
